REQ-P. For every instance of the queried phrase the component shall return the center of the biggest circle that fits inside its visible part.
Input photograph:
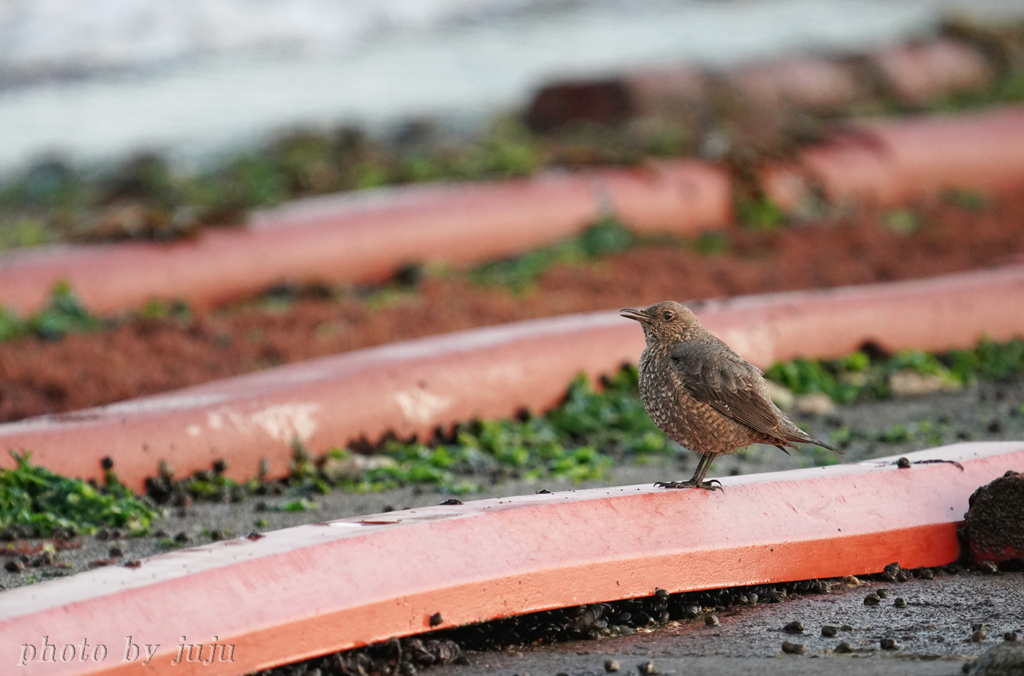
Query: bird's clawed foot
(709, 485)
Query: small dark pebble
(115, 534)
(829, 630)
(107, 462)
(255, 535)
(794, 627)
(691, 612)
(627, 631)
(979, 635)
(752, 599)
(926, 574)
(611, 665)
(903, 463)
(712, 620)
(451, 501)
(181, 537)
(1011, 636)
(13, 566)
(219, 466)
(436, 619)
(792, 648)
(132, 563)
(646, 668)
(217, 535)
(995, 427)
(545, 491)
(160, 533)
(845, 627)
(844, 647)
(115, 552)
(102, 535)
(889, 644)
(660, 593)
(882, 593)
(872, 600)
(988, 567)
(891, 571)
(900, 602)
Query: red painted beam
(307, 591)
(890, 162)
(366, 237)
(412, 388)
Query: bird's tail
(802, 437)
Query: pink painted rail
(366, 237)
(412, 388)
(311, 590)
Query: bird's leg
(697, 480)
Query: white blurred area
(40, 37)
(95, 81)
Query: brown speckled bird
(702, 394)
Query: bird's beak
(631, 313)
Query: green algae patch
(34, 497)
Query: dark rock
(994, 525)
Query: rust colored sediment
(414, 387)
(307, 591)
(367, 237)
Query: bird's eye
(667, 315)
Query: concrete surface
(933, 631)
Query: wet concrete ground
(935, 634)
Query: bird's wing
(720, 378)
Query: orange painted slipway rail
(414, 387)
(311, 590)
(366, 238)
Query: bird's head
(664, 323)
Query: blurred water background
(193, 78)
